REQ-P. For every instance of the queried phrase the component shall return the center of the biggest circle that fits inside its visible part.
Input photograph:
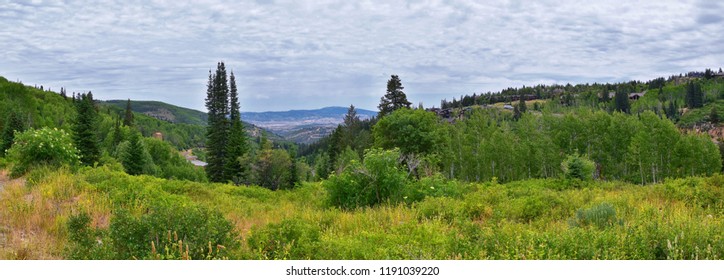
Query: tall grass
(534, 219)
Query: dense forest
(628, 170)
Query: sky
(308, 54)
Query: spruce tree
(394, 99)
(521, 105)
(351, 119)
(621, 101)
(128, 119)
(694, 95)
(85, 128)
(218, 125)
(13, 124)
(671, 112)
(133, 160)
(237, 146)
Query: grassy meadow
(103, 213)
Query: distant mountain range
(300, 126)
(303, 126)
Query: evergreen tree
(13, 124)
(218, 125)
(694, 95)
(394, 99)
(335, 147)
(351, 119)
(621, 101)
(293, 172)
(708, 74)
(85, 128)
(63, 94)
(672, 112)
(713, 115)
(237, 145)
(521, 105)
(128, 119)
(117, 134)
(134, 160)
(516, 113)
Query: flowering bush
(45, 146)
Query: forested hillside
(37, 110)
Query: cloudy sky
(307, 54)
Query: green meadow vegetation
(103, 213)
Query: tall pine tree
(621, 101)
(694, 95)
(237, 145)
(217, 132)
(85, 128)
(394, 99)
(128, 118)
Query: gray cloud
(309, 54)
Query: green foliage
(86, 243)
(128, 115)
(694, 95)
(85, 129)
(133, 159)
(236, 170)
(641, 149)
(44, 146)
(713, 115)
(622, 102)
(197, 228)
(601, 216)
(378, 179)
(345, 159)
(577, 167)
(394, 99)
(412, 131)
(289, 239)
(13, 124)
(272, 169)
(217, 104)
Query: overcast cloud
(311, 54)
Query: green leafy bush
(437, 186)
(288, 239)
(85, 243)
(202, 233)
(45, 146)
(601, 216)
(378, 179)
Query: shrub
(378, 179)
(85, 243)
(45, 146)
(198, 233)
(437, 186)
(288, 239)
(577, 167)
(444, 208)
(600, 216)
